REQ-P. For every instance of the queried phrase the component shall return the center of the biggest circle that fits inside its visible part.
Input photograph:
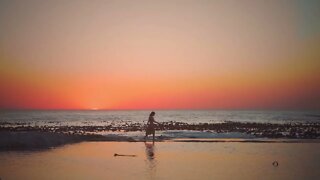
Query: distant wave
(314, 115)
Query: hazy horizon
(202, 109)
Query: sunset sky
(167, 54)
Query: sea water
(121, 117)
(95, 118)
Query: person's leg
(145, 137)
(153, 135)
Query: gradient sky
(144, 54)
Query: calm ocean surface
(95, 118)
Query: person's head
(152, 113)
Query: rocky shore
(259, 130)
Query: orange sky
(160, 54)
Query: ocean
(100, 117)
(122, 123)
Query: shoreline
(33, 140)
(306, 130)
(20, 136)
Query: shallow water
(173, 134)
(165, 160)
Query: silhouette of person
(151, 126)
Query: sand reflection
(165, 160)
(151, 161)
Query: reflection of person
(149, 150)
(150, 125)
(151, 159)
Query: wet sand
(165, 160)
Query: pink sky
(160, 54)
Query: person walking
(151, 125)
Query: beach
(165, 160)
(188, 145)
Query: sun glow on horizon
(160, 55)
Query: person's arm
(156, 122)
